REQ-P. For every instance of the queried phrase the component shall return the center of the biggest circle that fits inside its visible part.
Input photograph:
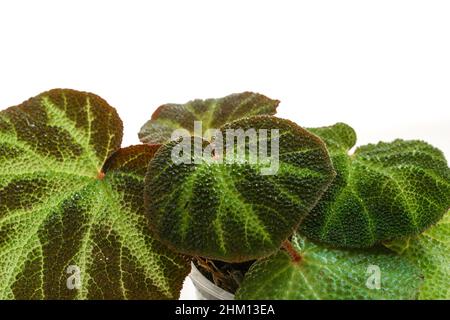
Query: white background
(381, 66)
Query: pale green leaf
(330, 274)
(430, 251)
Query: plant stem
(101, 175)
(295, 256)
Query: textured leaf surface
(230, 211)
(330, 274)
(60, 213)
(383, 191)
(213, 113)
(431, 252)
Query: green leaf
(68, 229)
(383, 191)
(338, 137)
(430, 251)
(227, 210)
(330, 274)
(214, 113)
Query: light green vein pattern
(230, 211)
(57, 208)
(382, 192)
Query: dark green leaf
(63, 218)
(328, 274)
(213, 113)
(384, 191)
(229, 211)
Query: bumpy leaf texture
(213, 113)
(330, 274)
(383, 191)
(69, 227)
(431, 252)
(228, 210)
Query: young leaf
(328, 274)
(213, 113)
(68, 229)
(383, 191)
(431, 252)
(227, 210)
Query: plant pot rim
(206, 289)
